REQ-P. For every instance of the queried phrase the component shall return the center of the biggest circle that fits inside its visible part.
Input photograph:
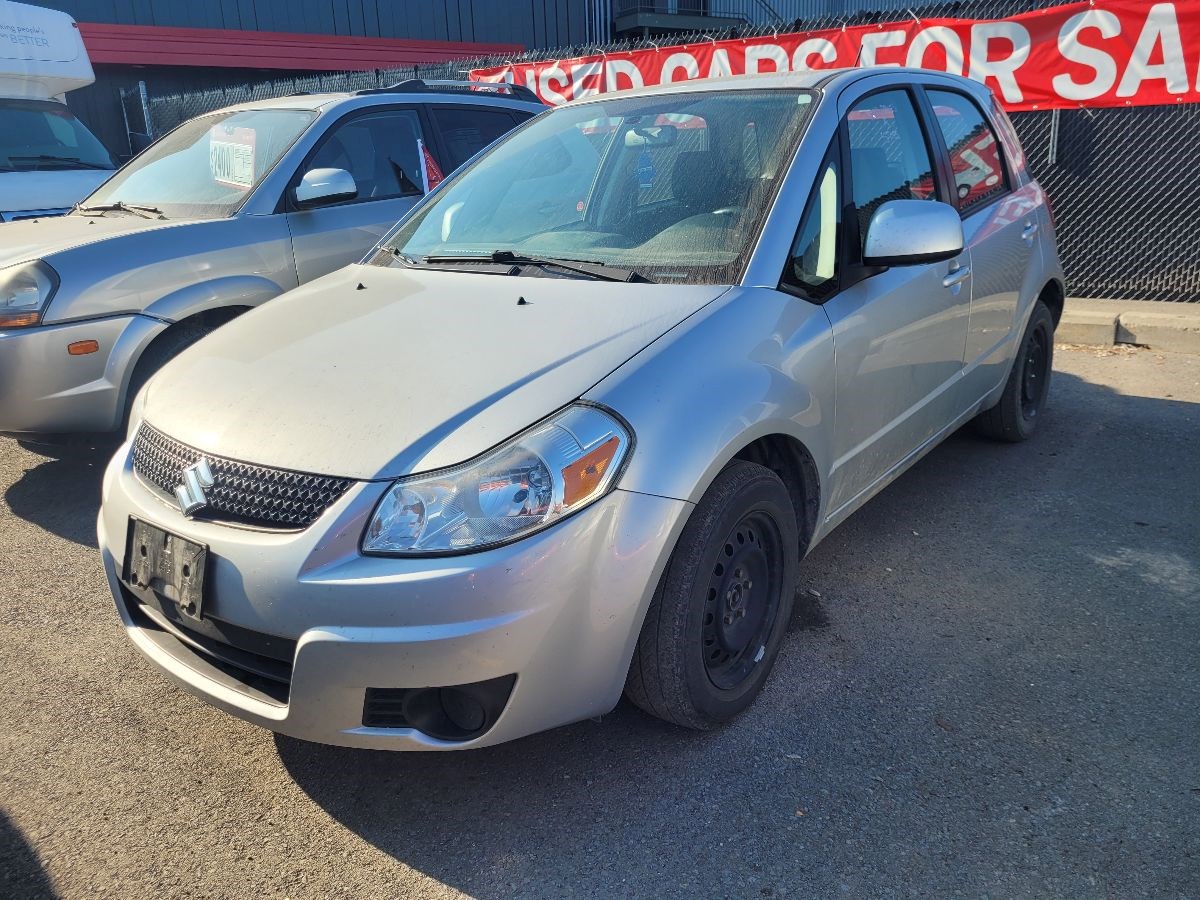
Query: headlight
(553, 470)
(25, 290)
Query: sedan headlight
(552, 470)
(25, 290)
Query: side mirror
(909, 232)
(320, 186)
(139, 142)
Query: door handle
(1031, 228)
(957, 276)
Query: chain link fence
(1122, 182)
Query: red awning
(150, 45)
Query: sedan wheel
(720, 613)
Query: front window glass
(205, 168)
(889, 159)
(673, 187)
(43, 136)
(380, 152)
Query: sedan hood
(42, 238)
(372, 372)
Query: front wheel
(1016, 415)
(721, 610)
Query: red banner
(1115, 53)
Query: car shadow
(21, 874)
(61, 494)
(609, 805)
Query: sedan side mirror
(909, 232)
(319, 186)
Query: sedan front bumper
(46, 390)
(560, 610)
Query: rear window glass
(467, 131)
(974, 151)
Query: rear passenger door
(379, 148)
(898, 332)
(999, 227)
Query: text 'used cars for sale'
(569, 430)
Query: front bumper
(43, 389)
(560, 610)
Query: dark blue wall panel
(533, 23)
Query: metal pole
(146, 109)
(125, 116)
(1052, 151)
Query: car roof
(813, 79)
(319, 102)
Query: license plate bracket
(168, 564)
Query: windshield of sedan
(205, 168)
(672, 188)
(43, 136)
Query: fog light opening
(454, 713)
(463, 710)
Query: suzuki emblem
(197, 478)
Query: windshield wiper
(587, 267)
(46, 157)
(146, 212)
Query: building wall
(533, 23)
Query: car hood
(57, 189)
(373, 372)
(42, 238)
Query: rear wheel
(719, 615)
(1016, 415)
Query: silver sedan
(226, 212)
(571, 429)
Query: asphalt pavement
(996, 692)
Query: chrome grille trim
(242, 493)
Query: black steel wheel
(1035, 372)
(742, 599)
(720, 613)
(1016, 414)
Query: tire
(161, 351)
(729, 584)
(1014, 418)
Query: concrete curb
(1102, 323)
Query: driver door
(379, 148)
(899, 333)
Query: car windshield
(43, 136)
(672, 187)
(205, 168)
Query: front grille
(241, 492)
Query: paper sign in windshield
(231, 156)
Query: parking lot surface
(997, 691)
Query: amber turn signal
(82, 348)
(583, 476)
(20, 320)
